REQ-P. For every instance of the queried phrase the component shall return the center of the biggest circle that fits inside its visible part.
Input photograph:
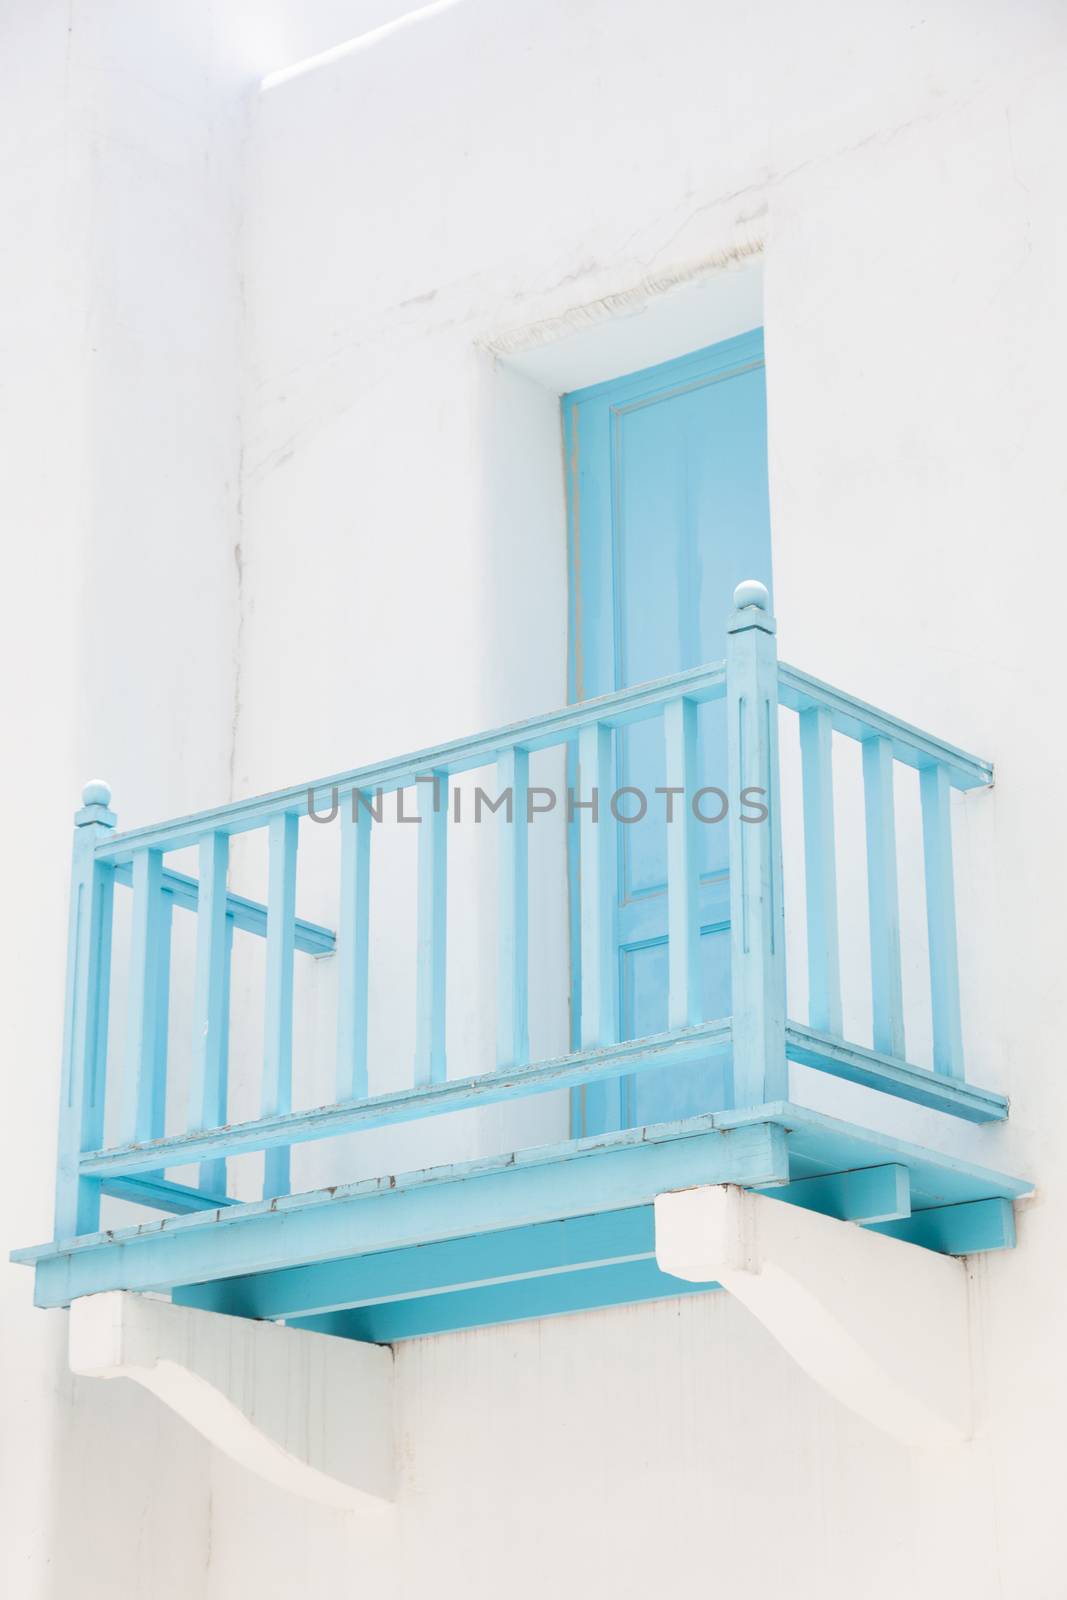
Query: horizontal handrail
(407, 1105)
(151, 1190)
(248, 915)
(801, 692)
(613, 710)
(857, 1064)
(798, 690)
(803, 1044)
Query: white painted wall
(120, 158)
(120, 464)
(336, 343)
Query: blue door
(668, 511)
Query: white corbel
(309, 1413)
(880, 1324)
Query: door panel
(668, 511)
(672, 1093)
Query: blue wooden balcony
(531, 1230)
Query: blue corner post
(81, 1105)
(757, 920)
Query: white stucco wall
(298, 295)
(120, 469)
(120, 161)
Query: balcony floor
(535, 1233)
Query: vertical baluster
(430, 1066)
(278, 1027)
(213, 1178)
(935, 792)
(81, 1103)
(579, 1098)
(353, 949)
(512, 1028)
(757, 918)
(598, 887)
(208, 1066)
(146, 1045)
(683, 886)
(820, 871)
(159, 1094)
(883, 897)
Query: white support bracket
(880, 1324)
(310, 1413)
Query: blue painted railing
(757, 1031)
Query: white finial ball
(96, 793)
(752, 593)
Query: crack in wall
(241, 363)
(238, 647)
(649, 287)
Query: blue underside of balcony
(535, 1233)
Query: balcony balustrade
(539, 1230)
